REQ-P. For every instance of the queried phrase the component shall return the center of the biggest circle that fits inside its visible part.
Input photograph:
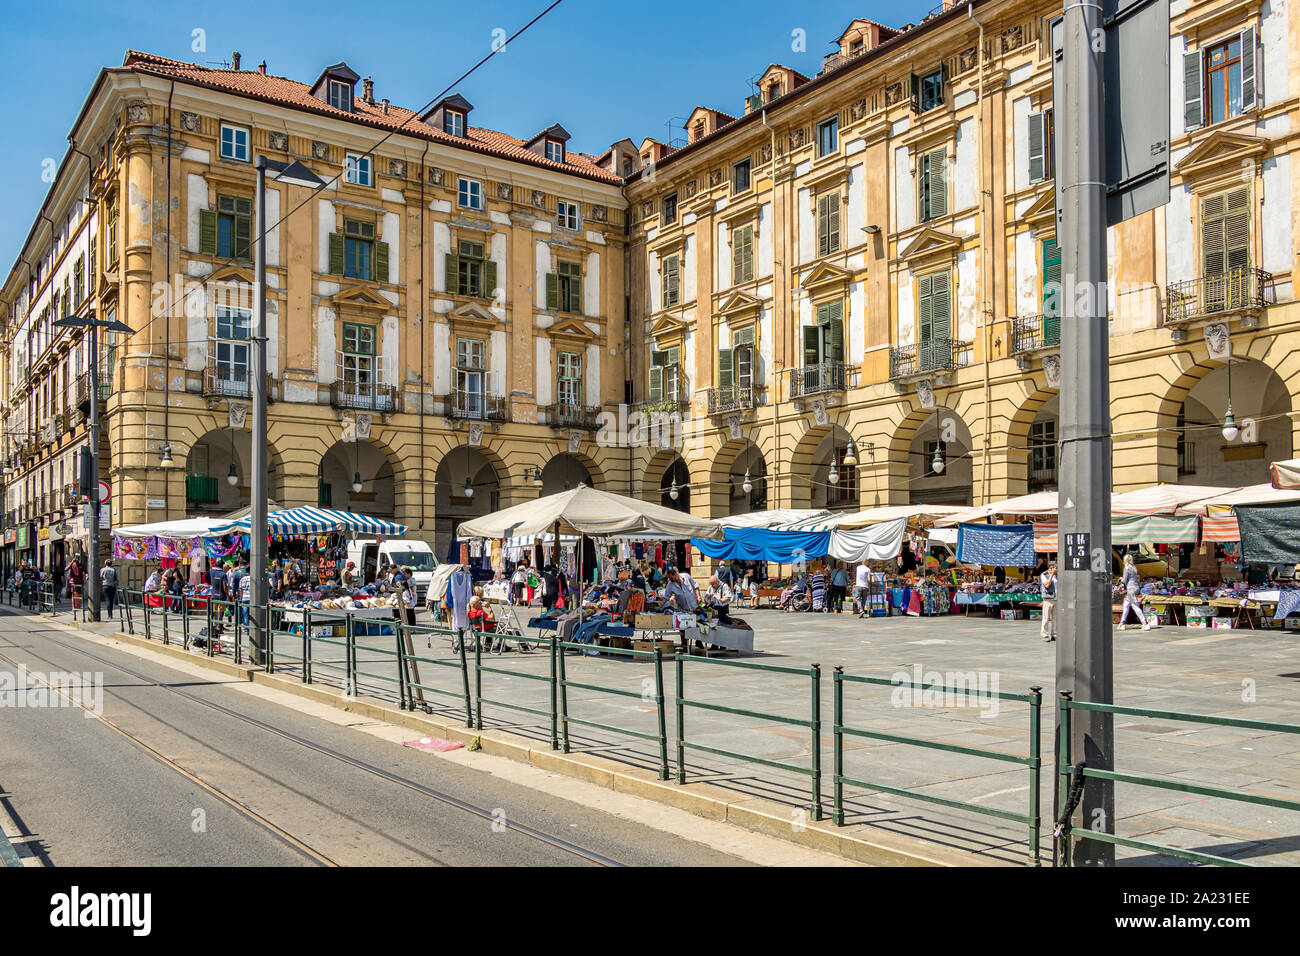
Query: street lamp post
(296, 174)
(92, 446)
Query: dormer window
(773, 91)
(554, 151)
(340, 94)
(453, 123)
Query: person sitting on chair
(718, 597)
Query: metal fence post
(564, 702)
(402, 636)
(349, 642)
(478, 679)
(1063, 769)
(681, 715)
(269, 627)
(555, 732)
(816, 741)
(185, 623)
(472, 710)
(659, 708)
(306, 643)
(838, 739)
(1035, 768)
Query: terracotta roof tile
(296, 95)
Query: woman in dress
(818, 585)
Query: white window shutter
(1248, 68)
(1193, 101)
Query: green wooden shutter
(243, 237)
(916, 93)
(938, 183)
(1213, 244)
(336, 254)
(207, 232)
(1236, 229)
(574, 304)
(1248, 84)
(812, 337)
(381, 261)
(552, 292)
(490, 279)
(451, 264)
(1193, 101)
(656, 383)
(835, 332)
(1037, 147)
(726, 369)
(833, 215)
(941, 305)
(1051, 278)
(924, 309)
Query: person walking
(108, 583)
(1131, 582)
(862, 589)
(839, 587)
(1047, 581)
(550, 587)
(76, 581)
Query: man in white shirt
(1047, 580)
(718, 596)
(861, 587)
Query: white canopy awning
(1038, 503)
(861, 519)
(1162, 499)
(772, 517)
(1286, 474)
(584, 510)
(178, 528)
(1263, 494)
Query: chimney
(234, 60)
(385, 102)
(261, 68)
(368, 91)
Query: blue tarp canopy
(759, 544)
(996, 545)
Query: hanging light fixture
(937, 464)
(834, 475)
(165, 458)
(672, 492)
(851, 454)
(232, 476)
(356, 482)
(1230, 429)
(537, 476)
(748, 485)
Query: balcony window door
(1225, 248)
(471, 377)
(934, 321)
(736, 367)
(1042, 454)
(665, 375)
(230, 349)
(358, 359)
(569, 381)
(1051, 293)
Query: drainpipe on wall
(424, 299)
(167, 320)
(774, 469)
(985, 312)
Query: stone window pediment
(929, 245)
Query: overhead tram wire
(386, 137)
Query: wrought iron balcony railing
(226, 382)
(1240, 290)
(1029, 333)
(816, 379)
(573, 415)
(368, 398)
(476, 406)
(672, 401)
(931, 355)
(732, 398)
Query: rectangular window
(1042, 158)
(234, 223)
(671, 281)
(934, 319)
(470, 269)
(567, 214)
(928, 90)
(110, 236)
(358, 249)
(569, 378)
(358, 170)
(668, 209)
(358, 359)
(470, 376)
(736, 364)
(470, 192)
(554, 151)
(740, 176)
(1042, 453)
(570, 279)
(234, 143)
(742, 254)
(453, 123)
(79, 280)
(340, 95)
(932, 184)
(828, 223)
(1225, 232)
(828, 136)
(231, 343)
(1223, 80)
(665, 375)
(1220, 80)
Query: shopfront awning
(308, 520)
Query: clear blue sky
(603, 69)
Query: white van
(370, 556)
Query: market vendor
(680, 592)
(349, 578)
(718, 597)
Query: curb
(701, 799)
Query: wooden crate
(668, 648)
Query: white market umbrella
(583, 510)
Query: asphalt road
(167, 778)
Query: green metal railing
(1033, 761)
(1067, 770)
(550, 679)
(563, 683)
(410, 666)
(813, 724)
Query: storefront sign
(11, 536)
(42, 534)
(23, 538)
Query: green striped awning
(1154, 529)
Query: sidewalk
(1169, 668)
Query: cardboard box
(1202, 622)
(1012, 614)
(1291, 623)
(668, 648)
(654, 620)
(1221, 622)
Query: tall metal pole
(1084, 654)
(257, 469)
(92, 518)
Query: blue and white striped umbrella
(308, 520)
